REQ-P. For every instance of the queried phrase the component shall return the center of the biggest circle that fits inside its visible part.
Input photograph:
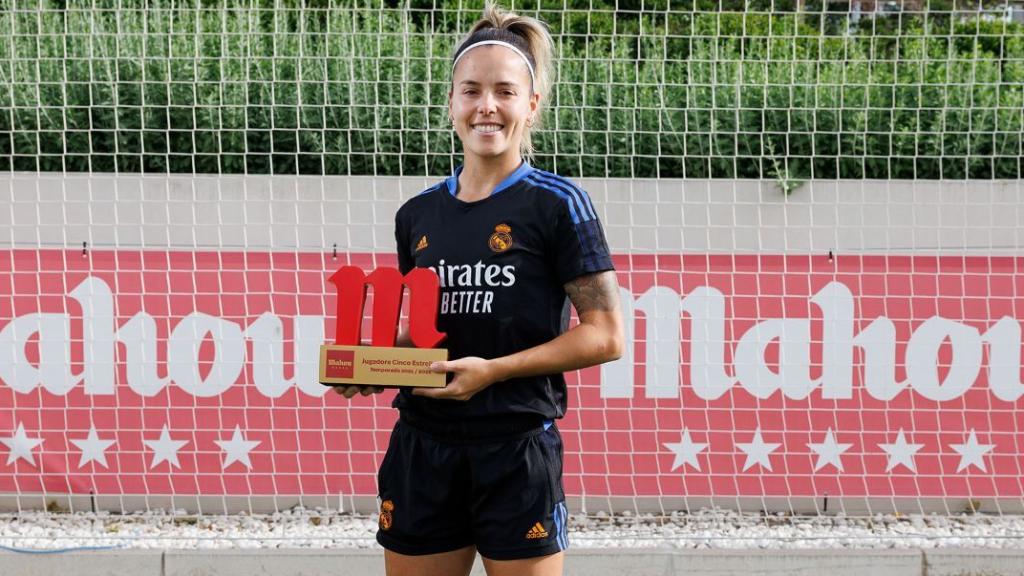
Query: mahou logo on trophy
(382, 363)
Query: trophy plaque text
(346, 362)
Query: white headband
(533, 79)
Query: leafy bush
(359, 87)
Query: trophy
(381, 363)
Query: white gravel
(323, 528)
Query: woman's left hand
(472, 375)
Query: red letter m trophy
(381, 363)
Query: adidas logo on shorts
(537, 531)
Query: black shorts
(503, 495)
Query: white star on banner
(686, 451)
(21, 446)
(165, 449)
(972, 453)
(237, 449)
(93, 448)
(901, 452)
(757, 452)
(829, 452)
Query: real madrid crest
(384, 520)
(501, 240)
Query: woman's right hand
(403, 340)
(350, 391)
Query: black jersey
(502, 261)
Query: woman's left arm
(598, 338)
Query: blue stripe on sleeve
(582, 197)
(573, 209)
(596, 244)
(593, 251)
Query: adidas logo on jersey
(537, 531)
(422, 244)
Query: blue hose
(57, 550)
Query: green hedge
(342, 88)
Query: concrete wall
(656, 562)
(356, 213)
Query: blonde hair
(533, 35)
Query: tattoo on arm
(598, 291)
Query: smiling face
(491, 102)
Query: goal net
(815, 212)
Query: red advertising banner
(155, 372)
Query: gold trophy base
(380, 366)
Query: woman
(477, 466)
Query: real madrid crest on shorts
(501, 240)
(385, 514)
